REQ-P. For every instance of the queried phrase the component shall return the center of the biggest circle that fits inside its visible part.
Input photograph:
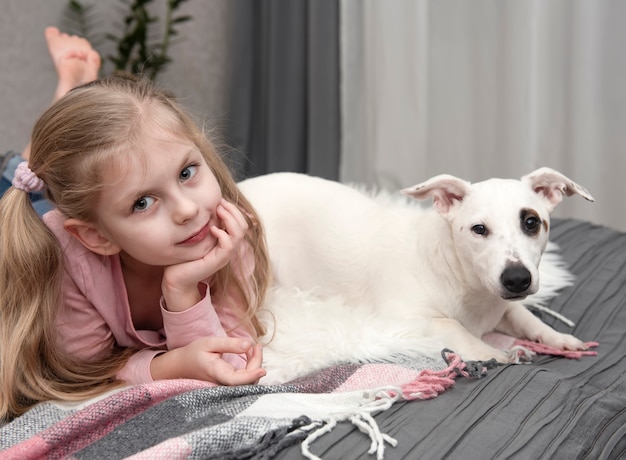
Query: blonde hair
(72, 144)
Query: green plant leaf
(139, 47)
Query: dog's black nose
(516, 279)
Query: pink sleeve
(137, 369)
(82, 331)
(183, 327)
(201, 320)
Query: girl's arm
(182, 284)
(85, 334)
(200, 321)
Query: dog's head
(500, 226)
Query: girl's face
(159, 209)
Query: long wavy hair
(72, 144)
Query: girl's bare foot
(76, 62)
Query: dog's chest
(479, 315)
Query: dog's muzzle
(516, 279)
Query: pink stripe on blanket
(520, 347)
(413, 384)
(96, 420)
(430, 383)
(34, 447)
(543, 349)
(171, 449)
(371, 376)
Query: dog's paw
(566, 342)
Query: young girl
(152, 265)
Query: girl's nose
(185, 209)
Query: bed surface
(553, 408)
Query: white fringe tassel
(373, 401)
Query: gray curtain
(284, 89)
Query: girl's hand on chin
(180, 281)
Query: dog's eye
(531, 223)
(480, 229)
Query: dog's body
(380, 276)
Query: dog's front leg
(451, 334)
(520, 323)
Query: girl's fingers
(226, 345)
(255, 357)
(244, 377)
(234, 220)
(222, 252)
(223, 372)
(226, 374)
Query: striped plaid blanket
(191, 419)
(184, 419)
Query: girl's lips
(197, 237)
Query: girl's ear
(90, 237)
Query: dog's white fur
(361, 277)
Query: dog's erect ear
(446, 191)
(552, 186)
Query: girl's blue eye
(143, 204)
(188, 172)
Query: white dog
(362, 277)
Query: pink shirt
(95, 313)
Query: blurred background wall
(381, 93)
(28, 78)
(487, 88)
